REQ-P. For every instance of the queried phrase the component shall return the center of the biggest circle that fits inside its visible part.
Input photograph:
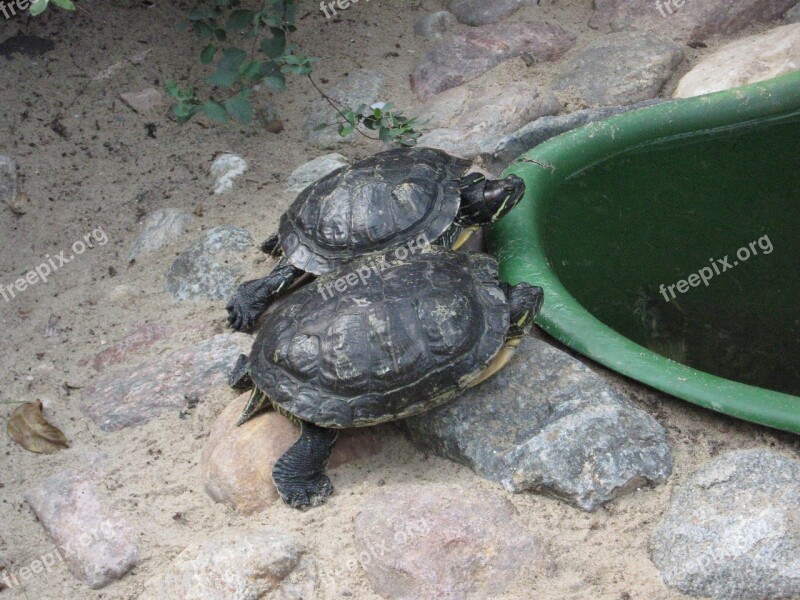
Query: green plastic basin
(667, 241)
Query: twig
(336, 108)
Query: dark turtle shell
(403, 337)
(377, 203)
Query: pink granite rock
(438, 541)
(472, 119)
(128, 397)
(465, 56)
(97, 544)
(686, 19)
(237, 461)
(141, 338)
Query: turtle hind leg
(239, 377)
(254, 297)
(272, 245)
(299, 474)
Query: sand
(86, 161)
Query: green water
(653, 216)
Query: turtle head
(524, 302)
(485, 201)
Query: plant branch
(336, 108)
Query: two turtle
(428, 324)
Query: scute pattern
(377, 203)
(386, 348)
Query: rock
(480, 12)
(237, 461)
(267, 114)
(209, 268)
(466, 56)
(434, 25)
(362, 86)
(305, 175)
(238, 564)
(621, 68)
(749, 60)
(437, 541)
(548, 423)
(141, 338)
(226, 168)
(144, 102)
(471, 119)
(8, 181)
(539, 131)
(686, 19)
(160, 229)
(793, 16)
(733, 529)
(136, 395)
(97, 544)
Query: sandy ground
(102, 170)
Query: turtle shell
(377, 203)
(401, 337)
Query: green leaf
(275, 45)
(345, 131)
(215, 111)
(321, 126)
(240, 108)
(223, 78)
(232, 58)
(172, 89)
(200, 15)
(350, 117)
(38, 7)
(207, 55)
(295, 69)
(239, 20)
(203, 30)
(220, 34)
(385, 134)
(275, 82)
(291, 59)
(65, 4)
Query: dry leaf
(28, 427)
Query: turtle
(380, 202)
(402, 341)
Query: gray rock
(471, 119)
(306, 174)
(437, 541)
(362, 86)
(131, 396)
(97, 544)
(238, 564)
(209, 268)
(160, 229)
(621, 68)
(793, 16)
(145, 102)
(434, 25)
(732, 530)
(548, 423)
(480, 12)
(466, 56)
(693, 20)
(8, 180)
(539, 131)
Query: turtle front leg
(271, 246)
(254, 297)
(299, 474)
